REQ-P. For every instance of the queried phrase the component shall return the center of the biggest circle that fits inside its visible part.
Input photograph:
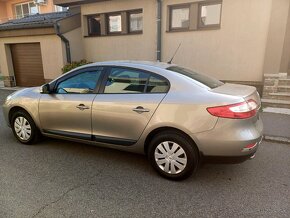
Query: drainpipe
(159, 29)
(65, 40)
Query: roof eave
(67, 3)
(31, 26)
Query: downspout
(65, 40)
(159, 29)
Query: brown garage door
(27, 63)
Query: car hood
(26, 92)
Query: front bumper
(6, 114)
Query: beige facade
(53, 51)
(133, 47)
(244, 47)
(253, 38)
(50, 54)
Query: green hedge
(74, 65)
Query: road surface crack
(62, 196)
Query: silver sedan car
(177, 117)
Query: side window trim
(76, 72)
(107, 71)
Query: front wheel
(173, 155)
(24, 128)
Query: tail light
(241, 110)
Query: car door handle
(141, 110)
(82, 107)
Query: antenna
(169, 62)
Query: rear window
(206, 80)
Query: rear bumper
(231, 139)
(226, 160)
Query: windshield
(206, 80)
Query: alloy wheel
(170, 157)
(22, 128)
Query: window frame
(108, 70)
(108, 23)
(105, 30)
(129, 13)
(174, 7)
(201, 26)
(21, 4)
(88, 24)
(54, 84)
(194, 16)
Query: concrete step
(280, 96)
(284, 88)
(275, 103)
(284, 82)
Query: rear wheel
(173, 155)
(24, 128)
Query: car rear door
(122, 110)
(67, 111)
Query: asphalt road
(63, 179)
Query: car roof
(128, 63)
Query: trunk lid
(246, 92)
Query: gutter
(65, 40)
(159, 29)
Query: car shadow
(138, 164)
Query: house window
(59, 8)
(114, 23)
(94, 25)
(135, 21)
(179, 17)
(25, 9)
(195, 16)
(210, 14)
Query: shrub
(73, 65)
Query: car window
(206, 80)
(83, 83)
(157, 84)
(122, 80)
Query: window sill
(127, 34)
(189, 30)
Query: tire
(23, 119)
(177, 165)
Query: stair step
(284, 88)
(284, 82)
(280, 94)
(276, 103)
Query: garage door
(27, 63)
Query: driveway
(63, 179)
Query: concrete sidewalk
(276, 127)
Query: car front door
(67, 110)
(122, 110)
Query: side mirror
(46, 89)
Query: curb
(10, 88)
(279, 139)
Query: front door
(67, 111)
(124, 108)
